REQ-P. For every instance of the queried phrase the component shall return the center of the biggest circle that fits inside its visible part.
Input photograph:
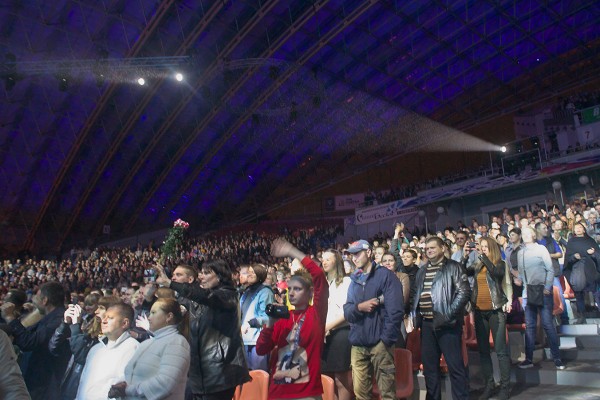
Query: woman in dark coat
(218, 363)
(581, 247)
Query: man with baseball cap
(374, 309)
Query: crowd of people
(117, 323)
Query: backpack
(551, 249)
(577, 279)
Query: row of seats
(258, 387)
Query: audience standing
(336, 353)
(535, 268)
(298, 340)
(218, 363)
(158, 368)
(374, 309)
(106, 361)
(42, 370)
(438, 305)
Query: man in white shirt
(106, 361)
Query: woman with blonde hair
(488, 299)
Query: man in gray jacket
(12, 385)
(535, 268)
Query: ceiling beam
(89, 124)
(133, 119)
(310, 12)
(263, 97)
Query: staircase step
(567, 342)
(588, 342)
(578, 373)
(581, 329)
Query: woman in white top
(159, 367)
(335, 361)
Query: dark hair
(537, 226)
(260, 271)
(180, 318)
(92, 299)
(125, 311)
(17, 297)
(190, 270)
(387, 253)
(515, 230)
(436, 239)
(412, 252)
(54, 292)
(222, 269)
(108, 301)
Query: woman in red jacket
(296, 368)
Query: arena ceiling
(274, 93)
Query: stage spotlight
(141, 81)
(63, 83)
(179, 77)
(503, 149)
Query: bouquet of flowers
(174, 239)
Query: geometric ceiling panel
(277, 98)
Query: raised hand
(142, 322)
(281, 248)
(161, 276)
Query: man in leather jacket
(439, 297)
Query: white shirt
(105, 366)
(337, 298)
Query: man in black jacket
(440, 295)
(44, 371)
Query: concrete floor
(548, 392)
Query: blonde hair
(304, 277)
(494, 249)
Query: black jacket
(217, 351)
(80, 344)
(494, 277)
(581, 245)
(44, 371)
(450, 293)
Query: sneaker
(526, 364)
(503, 394)
(559, 364)
(487, 392)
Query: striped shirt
(484, 297)
(425, 303)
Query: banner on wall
(590, 115)
(348, 201)
(395, 209)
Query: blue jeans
(545, 311)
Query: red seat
(568, 291)
(469, 336)
(404, 375)
(328, 387)
(558, 305)
(413, 344)
(256, 389)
